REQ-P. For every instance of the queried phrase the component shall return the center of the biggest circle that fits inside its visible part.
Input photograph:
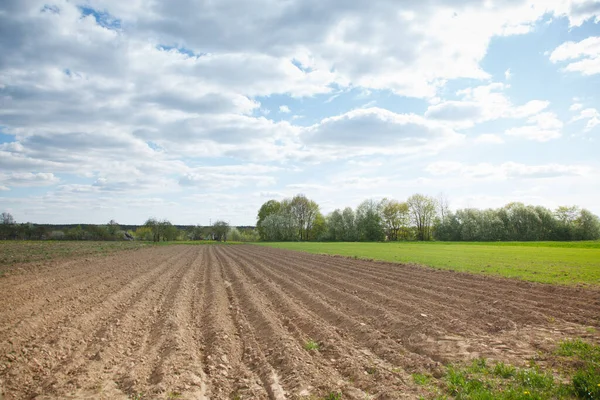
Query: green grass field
(548, 262)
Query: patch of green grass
(311, 345)
(584, 359)
(421, 379)
(586, 383)
(504, 371)
(333, 396)
(480, 381)
(579, 377)
(579, 349)
(566, 263)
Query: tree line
(422, 218)
(153, 230)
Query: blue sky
(194, 111)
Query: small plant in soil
(311, 345)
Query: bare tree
(443, 206)
(7, 219)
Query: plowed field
(226, 322)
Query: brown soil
(232, 322)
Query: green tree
(269, 208)
(368, 221)
(395, 215)
(423, 213)
(220, 230)
(304, 212)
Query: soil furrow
(507, 293)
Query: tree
(368, 221)
(423, 212)
(279, 227)
(220, 230)
(587, 226)
(154, 226)
(269, 208)
(304, 211)
(350, 231)
(113, 228)
(7, 219)
(395, 216)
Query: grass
(567, 263)
(578, 378)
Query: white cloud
(489, 138)
(284, 109)
(508, 170)
(591, 115)
(140, 101)
(582, 56)
(376, 130)
(27, 179)
(481, 104)
(507, 74)
(544, 127)
(576, 107)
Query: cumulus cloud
(132, 96)
(543, 127)
(481, 104)
(582, 56)
(27, 179)
(369, 128)
(591, 115)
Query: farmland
(547, 262)
(17, 254)
(250, 322)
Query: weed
(586, 383)
(371, 370)
(311, 345)
(590, 329)
(580, 349)
(421, 379)
(333, 396)
(173, 395)
(136, 396)
(479, 365)
(586, 378)
(504, 371)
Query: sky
(201, 110)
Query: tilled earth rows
(227, 322)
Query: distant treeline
(152, 230)
(422, 218)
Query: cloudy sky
(192, 110)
